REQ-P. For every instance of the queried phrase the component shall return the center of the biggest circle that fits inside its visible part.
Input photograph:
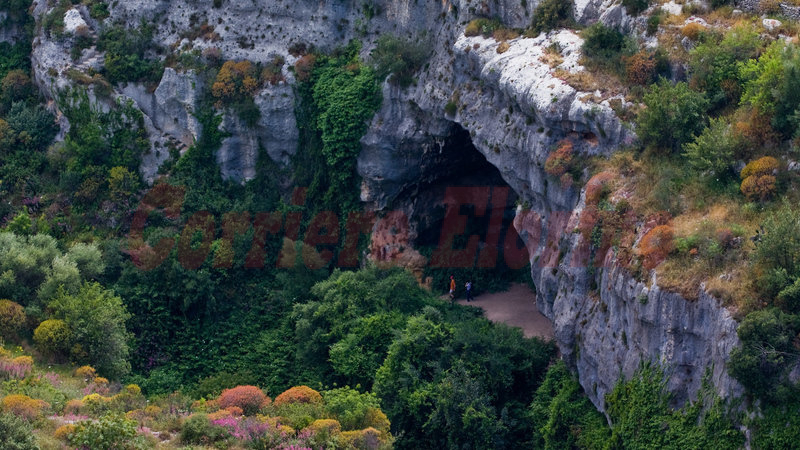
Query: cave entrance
(463, 215)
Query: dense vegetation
(183, 332)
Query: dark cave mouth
(463, 217)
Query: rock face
(510, 99)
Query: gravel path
(515, 307)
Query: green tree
(562, 416)
(778, 250)
(714, 64)
(772, 85)
(713, 150)
(767, 353)
(96, 318)
(673, 115)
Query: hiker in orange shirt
(452, 288)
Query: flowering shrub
(640, 68)
(86, 372)
(73, 406)
(235, 81)
(304, 66)
(693, 30)
(197, 429)
(758, 178)
(368, 438)
(758, 187)
(64, 432)
(23, 406)
(17, 368)
(558, 161)
(323, 431)
(656, 245)
(12, 319)
(249, 398)
(96, 404)
(298, 394)
(761, 166)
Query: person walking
(468, 287)
(452, 288)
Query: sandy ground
(515, 307)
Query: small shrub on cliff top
(249, 398)
(655, 245)
(551, 14)
(399, 57)
(482, 26)
(298, 394)
(634, 7)
(693, 30)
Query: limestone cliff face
(509, 101)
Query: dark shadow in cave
(463, 170)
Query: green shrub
(52, 337)
(714, 64)
(399, 57)
(350, 407)
(604, 46)
(111, 432)
(482, 27)
(713, 150)
(551, 14)
(777, 251)
(653, 21)
(779, 425)
(128, 54)
(562, 415)
(641, 416)
(34, 126)
(16, 434)
(767, 353)
(634, 7)
(12, 319)
(198, 430)
(673, 115)
(772, 86)
(96, 318)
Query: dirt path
(515, 307)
